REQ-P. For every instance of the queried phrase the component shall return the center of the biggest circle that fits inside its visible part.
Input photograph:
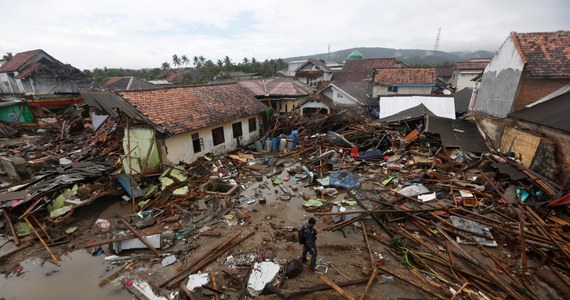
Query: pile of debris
(395, 206)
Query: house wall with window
(382, 90)
(217, 139)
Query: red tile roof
(19, 60)
(390, 76)
(472, 65)
(188, 108)
(546, 54)
(359, 70)
(277, 87)
(28, 70)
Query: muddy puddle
(77, 278)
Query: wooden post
(12, 228)
(57, 262)
(214, 284)
(523, 249)
(370, 254)
(337, 288)
(187, 291)
(41, 227)
(140, 237)
(129, 161)
(370, 281)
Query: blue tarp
(125, 181)
(344, 180)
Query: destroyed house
(38, 73)
(180, 124)
(281, 94)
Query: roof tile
(547, 54)
(390, 76)
(187, 108)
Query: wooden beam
(214, 284)
(140, 236)
(337, 288)
(369, 284)
(12, 228)
(187, 291)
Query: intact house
(42, 79)
(171, 76)
(527, 68)
(351, 87)
(398, 89)
(313, 71)
(466, 71)
(281, 94)
(180, 124)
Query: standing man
(310, 246)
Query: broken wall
(522, 143)
(143, 151)
(500, 82)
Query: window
(285, 107)
(393, 88)
(237, 130)
(339, 95)
(252, 124)
(218, 135)
(197, 143)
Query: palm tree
(184, 60)
(195, 61)
(245, 61)
(8, 56)
(165, 66)
(175, 60)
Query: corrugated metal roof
(550, 112)
(456, 133)
(443, 106)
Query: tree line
(196, 70)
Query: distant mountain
(407, 56)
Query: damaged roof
(462, 99)
(282, 87)
(473, 64)
(125, 83)
(188, 108)
(456, 133)
(20, 60)
(395, 75)
(415, 112)
(545, 54)
(551, 111)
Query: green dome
(355, 55)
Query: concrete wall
(179, 148)
(340, 97)
(500, 82)
(381, 90)
(464, 80)
(440, 106)
(8, 84)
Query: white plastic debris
(427, 197)
(145, 289)
(261, 274)
(414, 190)
(167, 261)
(197, 280)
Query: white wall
(464, 80)
(180, 148)
(440, 106)
(500, 82)
(314, 104)
(342, 98)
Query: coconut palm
(176, 60)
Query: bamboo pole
(187, 292)
(370, 281)
(12, 228)
(214, 284)
(57, 262)
(337, 288)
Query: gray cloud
(136, 34)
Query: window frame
(215, 141)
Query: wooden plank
(337, 288)
(214, 284)
(369, 284)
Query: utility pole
(436, 46)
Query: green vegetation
(202, 70)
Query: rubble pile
(394, 206)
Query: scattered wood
(140, 237)
(337, 288)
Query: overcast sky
(141, 34)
